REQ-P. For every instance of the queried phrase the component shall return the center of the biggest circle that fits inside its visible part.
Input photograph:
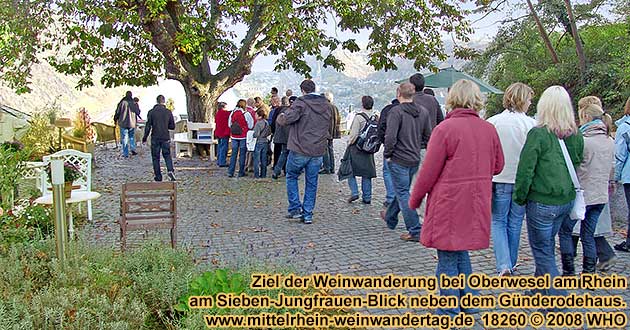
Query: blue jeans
(507, 220)
(163, 146)
(127, 139)
(626, 190)
(260, 160)
(401, 177)
(329, 157)
(451, 264)
(390, 192)
(238, 146)
(295, 164)
(543, 224)
(282, 160)
(366, 188)
(587, 232)
(223, 150)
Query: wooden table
(76, 197)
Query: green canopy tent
(446, 77)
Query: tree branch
(242, 65)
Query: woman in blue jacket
(622, 165)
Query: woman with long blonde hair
(593, 175)
(543, 182)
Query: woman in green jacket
(543, 182)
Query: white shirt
(512, 128)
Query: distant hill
(358, 79)
(51, 87)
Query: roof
(14, 112)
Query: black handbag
(345, 169)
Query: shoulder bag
(579, 206)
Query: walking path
(230, 221)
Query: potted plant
(70, 173)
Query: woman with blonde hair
(622, 165)
(593, 175)
(543, 182)
(606, 258)
(512, 126)
(463, 154)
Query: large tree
(210, 45)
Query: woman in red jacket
(463, 154)
(222, 133)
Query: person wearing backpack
(362, 162)
(240, 122)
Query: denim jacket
(622, 146)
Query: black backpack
(368, 140)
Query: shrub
(41, 137)
(12, 158)
(25, 222)
(97, 289)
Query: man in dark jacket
(387, 177)
(329, 157)
(407, 127)
(159, 121)
(280, 139)
(125, 116)
(429, 102)
(310, 126)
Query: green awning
(446, 77)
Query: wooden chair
(105, 133)
(150, 205)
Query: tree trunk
(543, 33)
(576, 37)
(201, 101)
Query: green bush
(25, 222)
(12, 158)
(97, 289)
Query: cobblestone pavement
(229, 221)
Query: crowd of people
(481, 178)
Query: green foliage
(211, 283)
(25, 222)
(517, 54)
(41, 136)
(97, 289)
(170, 104)
(12, 158)
(179, 38)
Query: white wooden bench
(198, 133)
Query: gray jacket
(597, 165)
(407, 127)
(126, 114)
(281, 134)
(310, 120)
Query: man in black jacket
(160, 120)
(407, 127)
(429, 102)
(387, 177)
